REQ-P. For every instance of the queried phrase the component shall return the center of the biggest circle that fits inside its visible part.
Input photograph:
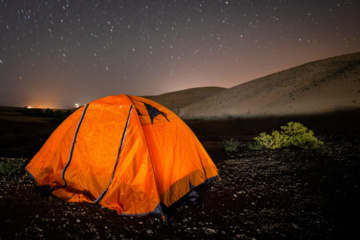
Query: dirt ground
(273, 194)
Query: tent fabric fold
(126, 153)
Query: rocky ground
(283, 194)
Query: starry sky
(56, 53)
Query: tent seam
(73, 145)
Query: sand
(318, 87)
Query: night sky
(57, 53)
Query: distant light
(29, 107)
(77, 105)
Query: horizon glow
(59, 53)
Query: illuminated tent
(124, 152)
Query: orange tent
(124, 152)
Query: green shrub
(10, 166)
(231, 145)
(293, 134)
(306, 140)
(256, 146)
(293, 128)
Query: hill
(316, 87)
(179, 99)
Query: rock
(38, 229)
(210, 231)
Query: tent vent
(153, 112)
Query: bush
(294, 128)
(231, 145)
(11, 166)
(256, 146)
(293, 134)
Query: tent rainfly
(126, 153)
